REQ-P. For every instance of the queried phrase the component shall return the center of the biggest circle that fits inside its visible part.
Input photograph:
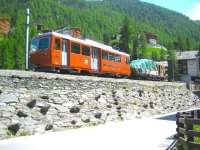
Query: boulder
(49, 127)
(22, 114)
(9, 98)
(44, 97)
(44, 109)
(31, 104)
(75, 109)
(14, 128)
(98, 115)
(85, 118)
(73, 122)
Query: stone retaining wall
(34, 103)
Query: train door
(94, 59)
(64, 53)
(57, 51)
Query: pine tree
(142, 45)
(126, 35)
(18, 49)
(172, 65)
(198, 50)
(134, 52)
(188, 45)
(106, 38)
(7, 55)
(162, 55)
(1, 52)
(181, 44)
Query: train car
(147, 70)
(53, 51)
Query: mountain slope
(164, 22)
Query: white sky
(194, 13)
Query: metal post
(27, 36)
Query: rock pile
(37, 103)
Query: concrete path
(141, 134)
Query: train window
(57, 44)
(64, 45)
(43, 43)
(86, 51)
(75, 48)
(127, 60)
(111, 57)
(104, 55)
(117, 58)
(34, 45)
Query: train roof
(86, 42)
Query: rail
(186, 122)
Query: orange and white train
(64, 52)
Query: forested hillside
(169, 25)
(97, 19)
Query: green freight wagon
(146, 69)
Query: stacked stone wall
(35, 103)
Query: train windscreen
(40, 44)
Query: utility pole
(27, 35)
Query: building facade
(188, 65)
(151, 38)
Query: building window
(86, 51)
(57, 44)
(75, 48)
(104, 55)
(182, 67)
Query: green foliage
(172, 65)
(142, 46)
(114, 43)
(168, 25)
(98, 20)
(6, 53)
(188, 45)
(196, 127)
(20, 133)
(106, 38)
(24, 133)
(163, 54)
(134, 51)
(9, 134)
(154, 53)
(180, 44)
(181, 146)
(126, 33)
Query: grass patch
(20, 133)
(180, 146)
(9, 134)
(24, 133)
(196, 127)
